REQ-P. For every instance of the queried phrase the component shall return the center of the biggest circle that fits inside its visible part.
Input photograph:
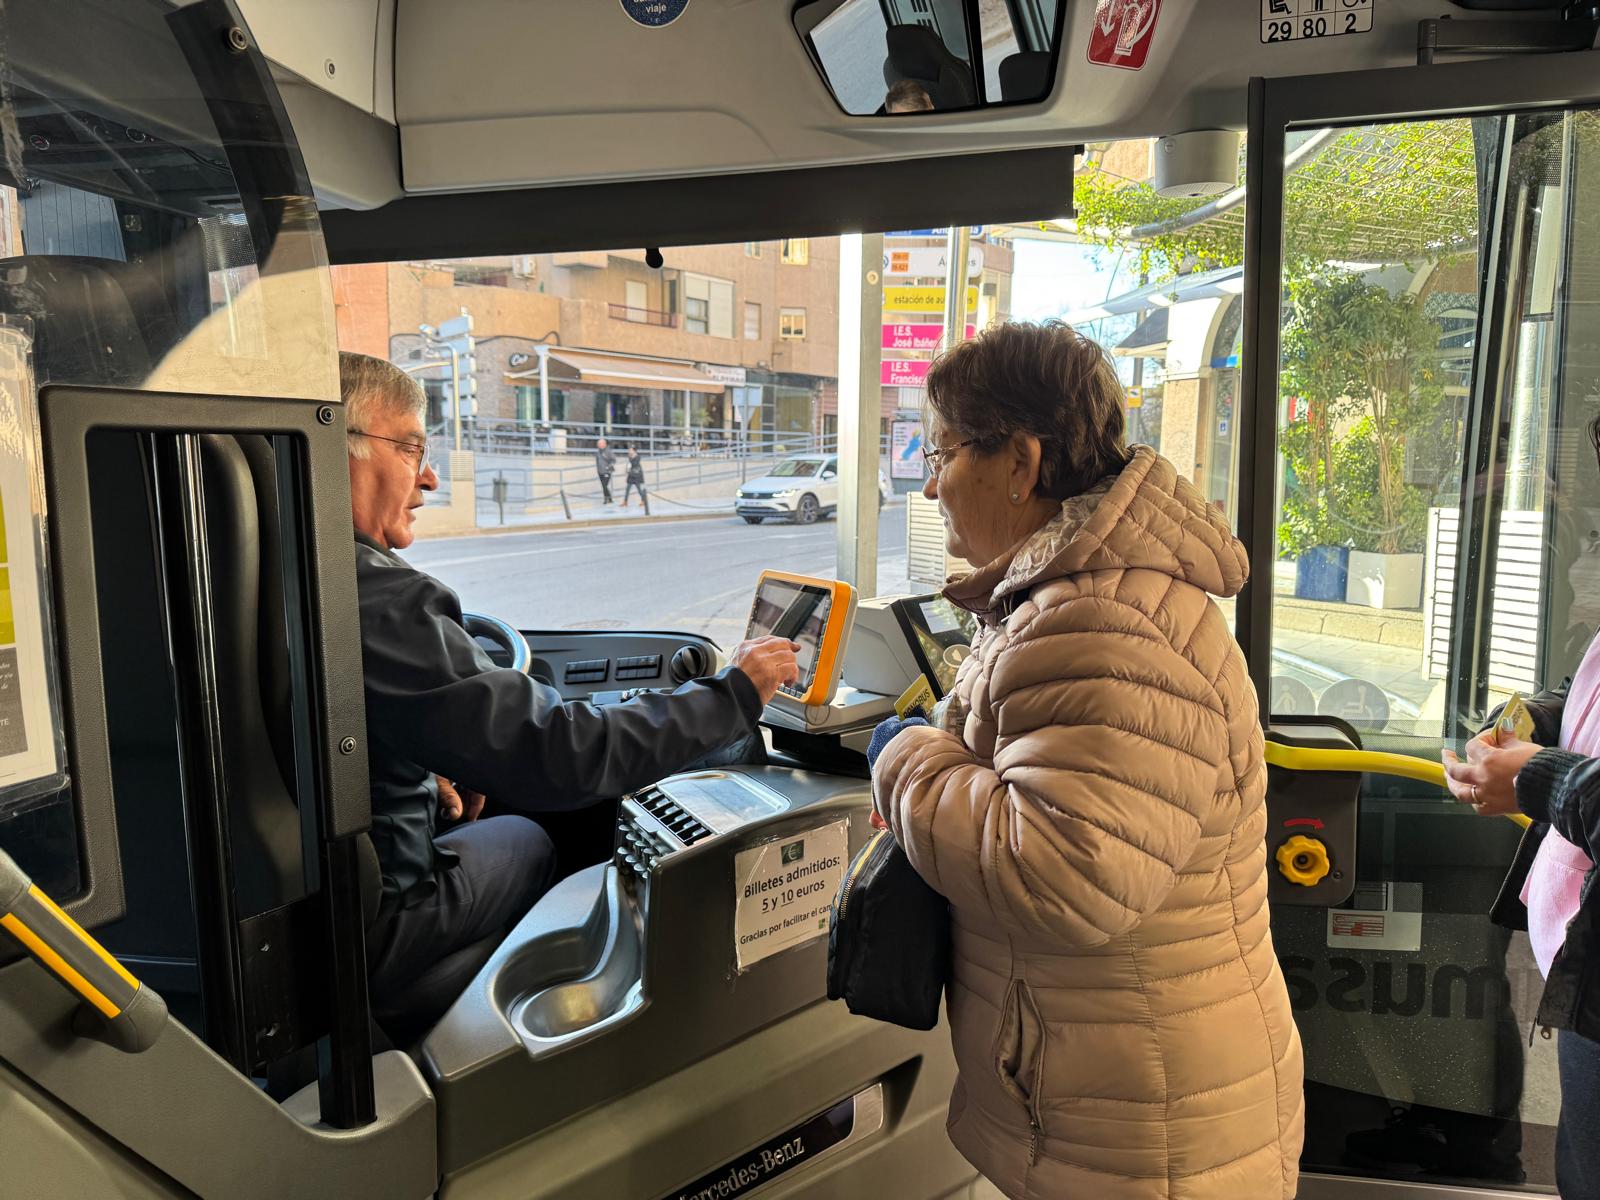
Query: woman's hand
(1487, 780)
(885, 733)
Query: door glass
(1438, 548)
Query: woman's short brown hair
(1042, 378)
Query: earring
(1016, 497)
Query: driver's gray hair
(372, 387)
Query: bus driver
(437, 704)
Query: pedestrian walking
(605, 465)
(635, 477)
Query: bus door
(1421, 499)
(183, 775)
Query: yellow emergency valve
(1303, 860)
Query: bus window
(1436, 509)
(641, 442)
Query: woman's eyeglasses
(417, 452)
(934, 456)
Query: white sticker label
(783, 889)
(1376, 925)
(1296, 20)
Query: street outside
(698, 576)
(695, 576)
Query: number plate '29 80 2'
(1296, 20)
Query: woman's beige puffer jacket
(1094, 810)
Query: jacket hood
(1146, 517)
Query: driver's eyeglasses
(417, 452)
(934, 456)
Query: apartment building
(717, 341)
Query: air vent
(659, 805)
(690, 662)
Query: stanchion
(565, 507)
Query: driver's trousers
(420, 957)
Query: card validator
(814, 613)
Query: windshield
(795, 467)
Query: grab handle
(133, 1015)
(1372, 762)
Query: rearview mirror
(910, 57)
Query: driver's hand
(463, 805)
(769, 662)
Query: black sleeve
(435, 698)
(1563, 788)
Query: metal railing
(511, 438)
(642, 316)
(701, 484)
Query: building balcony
(642, 316)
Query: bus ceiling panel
(495, 95)
(1017, 185)
(353, 158)
(332, 43)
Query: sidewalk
(434, 520)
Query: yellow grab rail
(1373, 762)
(132, 1015)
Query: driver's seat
(244, 532)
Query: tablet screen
(798, 612)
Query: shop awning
(598, 368)
(1149, 340)
(1205, 285)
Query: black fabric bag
(888, 938)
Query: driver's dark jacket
(437, 704)
(1560, 790)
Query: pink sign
(916, 337)
(900, 372)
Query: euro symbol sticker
(794, 852)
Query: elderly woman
(1092, 803)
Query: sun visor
(1013, 185)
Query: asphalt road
(699, 576)
(694, 576)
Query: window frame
(1277, 107)
(795, 252)
(786, 324)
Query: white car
(799, 490)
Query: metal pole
(860, 406)
(956, 247)
(543, 351)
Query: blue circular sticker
(653, 14)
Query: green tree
(1365, 360)
(1387, 193)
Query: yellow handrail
(1374, 762)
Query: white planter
(1384, 580)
